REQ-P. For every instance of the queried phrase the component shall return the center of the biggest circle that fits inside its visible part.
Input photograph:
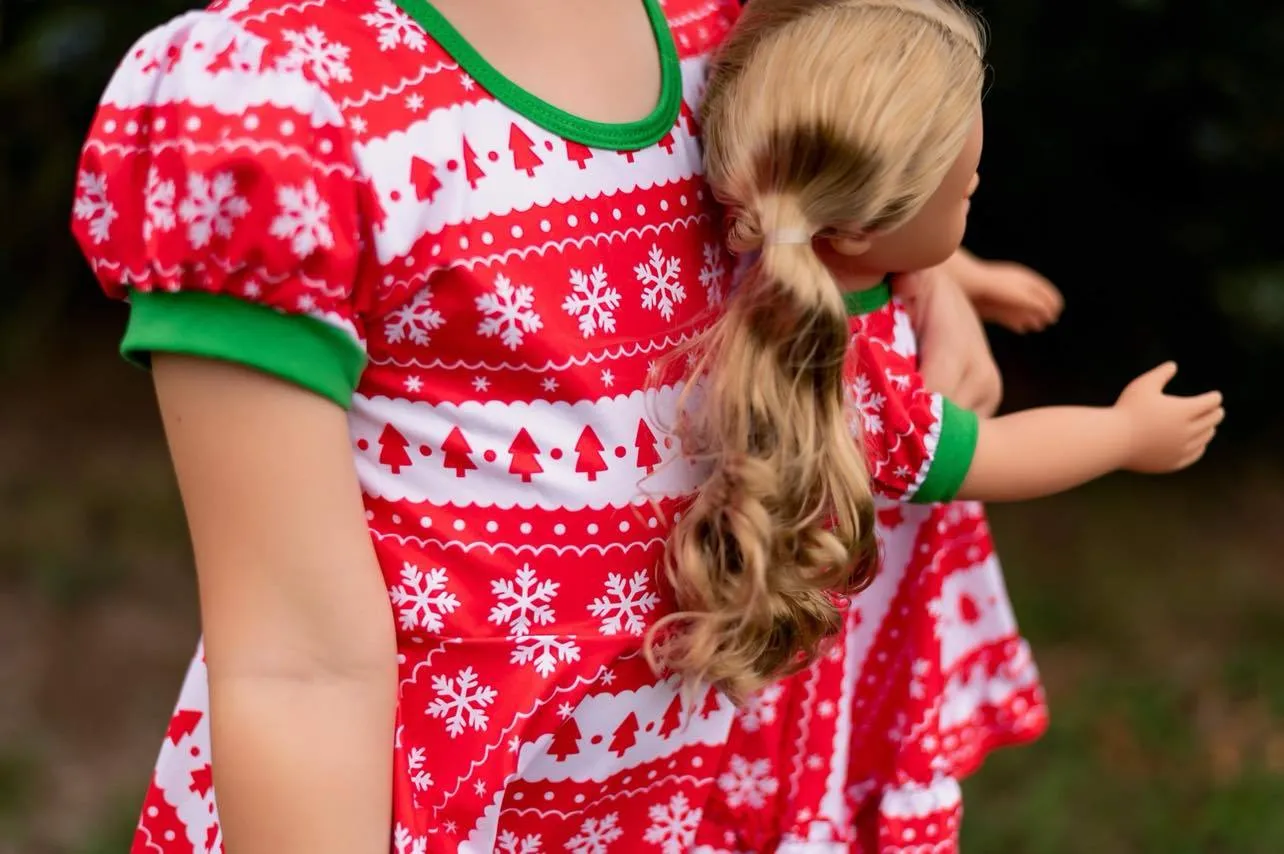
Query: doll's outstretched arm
(1007, 293)
(1043, 451)
(299, 638)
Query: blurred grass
(1155, 608)
(1156, 612)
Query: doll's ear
(851, 245)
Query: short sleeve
(216, 192)
(919, 445)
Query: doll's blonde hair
(840, 115)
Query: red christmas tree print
(648, 456)
(711, 703)
(628, 155)
(624, 736)
(472, 171)
(566, 741)
(182, 724)
(667, 142)
(589, 448)
(524, 156)
(578, 153)
(688, 117)
(455, 453)
(202, 780)
(423, 175)
(524, 451)
(392, 449)
(672, 717)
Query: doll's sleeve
(216, 193)
(918, 445)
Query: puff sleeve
(217, 194)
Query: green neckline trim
(871, 299)
(626, 136)
(300, 349)
(955, 448)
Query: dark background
(1134, 153)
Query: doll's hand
(954, 355)
(1167, 433)
(1014, 296)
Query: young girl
(475, 233)
(845, 138)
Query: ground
(1155, 608)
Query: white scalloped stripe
(487, 126)
(665, 345)
(202, 36)
(386, 92)
(918, 801)
(230, 145)
(489, 429)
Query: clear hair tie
(786, 237)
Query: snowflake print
(592, 301)
(413, 384)
(480, 788)
(545, 651)
(746, 782)
(523, 602)
(761, 708)
(449, 827)
(481, 384)
(466, 82)
(304, 219)
(661, 289)
(673, 825)
(595, 835)
(870, 405)
(509, 312)
(711, 273)
(395, 27)
(91, 204)
(415, 102)
(415, 760)
(158, 202)
(461, 702)
(416, 320)
(211, 207)
(404, 842)
(313, 54)
(608, 378)
(549, 384)
(422, 598)
(564, 711)
(509, 843)
(358, 125)
(625, 602)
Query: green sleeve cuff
(299, 349)
(955, 448)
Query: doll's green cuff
(954, 451)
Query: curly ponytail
(821, 116)
(785, 517)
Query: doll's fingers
(1210, 420)
(1159, 376)
(1203, 439)
(1209, 401)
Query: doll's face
(934, 233)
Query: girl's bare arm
(299, 637)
